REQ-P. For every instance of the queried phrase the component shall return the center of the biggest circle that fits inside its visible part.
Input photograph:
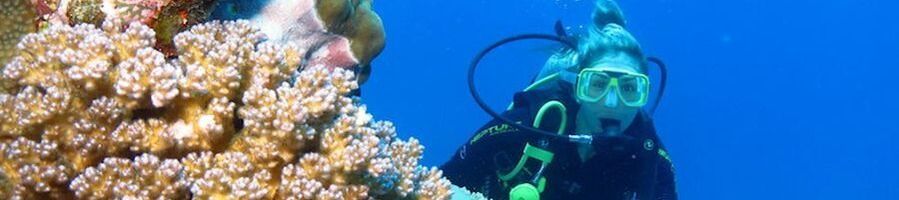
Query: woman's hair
(606, 40)
(606, 37)
(607, 12)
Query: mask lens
(594, 85)
(633, 89)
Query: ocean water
(766, 99)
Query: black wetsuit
(623, 168)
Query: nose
(612, 99)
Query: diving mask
(595, 83)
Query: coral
(34, 168)
(228, 175)
(337, 33)
(144, 11)
(146, 177)
(355, 20)
(296, 22)
(99, 113)
(177, 17)
(165, 17)
(86, 11)
(462, 193)
(17, 19)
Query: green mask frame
(593, 84)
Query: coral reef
(17, 17)
(165, 17)
(98, 113)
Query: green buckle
(543, 156)
(527, 191)
(524, 191)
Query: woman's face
(592, 114)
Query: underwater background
(765, 99)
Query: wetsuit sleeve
(665, 184)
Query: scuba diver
(580, 131)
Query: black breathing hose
(663, 69)
(494, 114)
(553, 136)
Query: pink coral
(299, 22)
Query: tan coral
(88, 140)
(146, 177)
(145, 135)
(64, 71)
(58, 54)
(17, 19)
(226, 176)
(80, 103)
(348, 144)
(166, 17)
(274, 129)
(315, 178)
(283, 116)
(405, 156)
(33, 168)
(432, 185)
(213, 56)
(271, 64)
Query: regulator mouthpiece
(610, 127)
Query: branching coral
(145, 177)
(17, 18)
(34, 168)
(166, 17)
(99, 113)
(228, 175)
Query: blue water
(767, 99)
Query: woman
(602, 86)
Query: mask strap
(568, 76)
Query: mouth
(609, 122)
(610, 115)
(610, 127)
